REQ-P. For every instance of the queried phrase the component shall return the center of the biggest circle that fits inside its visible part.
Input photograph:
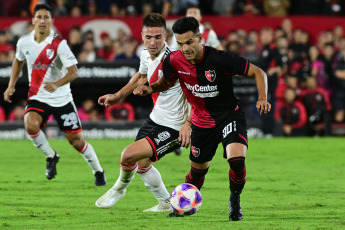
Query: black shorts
(162, 139)
(204, 141)
(66, 116)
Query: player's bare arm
(16, 68)
(120, 96)
(71, 75)
(185, 132)
(262, 105)
(159, 86)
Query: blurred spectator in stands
(92, 8)
(88, 53)
(209, 37)
(146, 9)
(75, 41)
(286, 25)
(81, 4)
(339, 97)
(276, 7)
(17, 113)
(59, 8)
(310, 7)
(338, 32)
(9, 8)
(2, 114)
(254, 36)
(6, 48)
(88, 111)
(223, 7)
(282, 45)
(251, 52)
(106, 52)
(124, 111)
(313, 54)
(271, 63)
(122, 35)
(279, 32)
(233, 47)
(293, 115)
(318, 107)
(116, 11)
(233, 36)
(248, 7)
(75, 12)
(89, 35)
(323, 69)
(118, 47)
(300, 44)
(173, 7)
(129, 48)
(334, 7)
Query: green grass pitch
(291, 184)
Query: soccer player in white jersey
(51, 67)
(209, 37)
(164, 131)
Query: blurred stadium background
(299, 43)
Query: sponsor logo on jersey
(40, 66)
(203, 91)
(27, 52)
(182, 72)
(210, 75)
(50, 53)
(195, 151)
(231, 127)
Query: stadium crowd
(306, 79)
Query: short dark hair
(185, 24)
(43, 6)
(154, 20)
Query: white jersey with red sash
(170, 108)
(46, 62)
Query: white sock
(153, 181)
(90, 157)
(41, 143)
(126, 176)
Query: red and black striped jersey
(207, 84)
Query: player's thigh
(36, 115)
(139, 150)
(162, 139)
(67, 118)
(234, 135)
(204, 143)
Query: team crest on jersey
(50, 53)
(195, 151)
(210, 75)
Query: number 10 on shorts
(231, 127)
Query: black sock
(237, 174)
(196, 177)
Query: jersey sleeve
(232, 63)
(168, 71)
(19, 51)
(143, 63)
(67, 57)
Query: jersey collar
(49, 39)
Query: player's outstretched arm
(16, 68)
(71, 75)
(262, 105)
(159, 86)
(120, 96)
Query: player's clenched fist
(263, 106)
(142, 90)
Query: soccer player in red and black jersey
(205, 77)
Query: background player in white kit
(161, 132)
(51, 68)
(209, 37)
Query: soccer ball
(185, 199)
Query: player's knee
(128, 156)
(31, 126)
(77, 143)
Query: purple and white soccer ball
(185, 199)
